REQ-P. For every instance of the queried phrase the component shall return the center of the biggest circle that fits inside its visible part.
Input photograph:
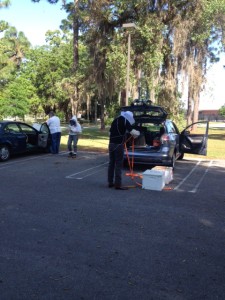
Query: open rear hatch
(149, 121)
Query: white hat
(128, 115)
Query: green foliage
(112, 112)
(3, 25)
(13, 48)
(4, 3)
(47, 67)
(222, 111)
(171, 39)
(14, 101)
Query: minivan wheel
(181, 156)
(4, 153)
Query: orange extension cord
(132, 175)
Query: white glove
(135, 133)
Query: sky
(213, 97)
(35, 19)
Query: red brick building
(210, 115)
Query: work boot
(119, 187)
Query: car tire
(4, 153)
(181, 156)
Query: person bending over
(74, 131)
(119, 127)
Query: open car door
(44, 136)
(194, 138)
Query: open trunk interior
(149, 137)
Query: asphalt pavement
(66, 235)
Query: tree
(48, 68)
(13, 48)
(172, 46)
(15, 44)
(73, 10)
(222, 111)
(4, 3)
(15, 98)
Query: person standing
(119, 127)
(74, 131)
(55, 130)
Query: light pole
(128, 26)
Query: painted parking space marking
(194, 190)
(21, 160)
(87, 172)
(18, 162)
(188, 175)
(193, 186)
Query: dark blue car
(18, 137)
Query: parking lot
(66, 235)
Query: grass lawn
(91, 139)
(94, 139)
(216, 141)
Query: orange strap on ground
(131, 162)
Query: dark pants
(115, 163)
(56, 137)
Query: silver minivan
(160, 142)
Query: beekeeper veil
(128, 115)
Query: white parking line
(20, 161)
(16, 162)
(201, 179)
(72, 176)
(188, 175)
(194, 190)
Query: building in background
(210, 115)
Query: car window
(171, 128)
(27, 129)
(12, 128)
(147, 113)
(151, 127)
(44, 128)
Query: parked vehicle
(160, 142)
(18, 137)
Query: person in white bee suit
(74, 131)
(119, 127)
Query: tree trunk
(75, 55)
(123, 98)
(74, 105)
(88, 107)
(102, 113)
(75, 36)
(96, 108)
(195, 111)
(189, 107)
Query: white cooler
(168, 173)
(153, 180)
